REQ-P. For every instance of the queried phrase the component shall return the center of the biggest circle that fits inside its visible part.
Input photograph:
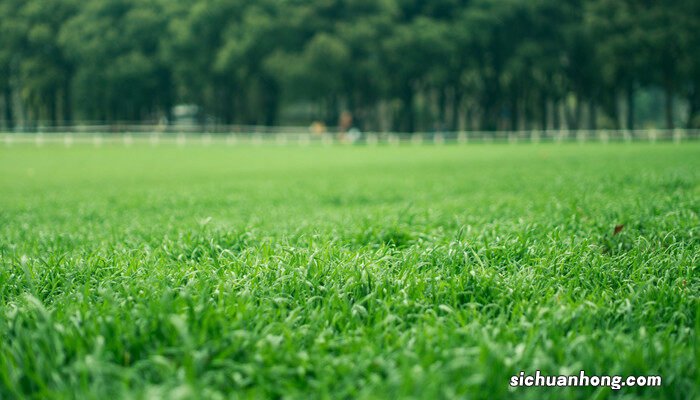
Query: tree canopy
(401, 65)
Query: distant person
(318, 128)
(345, 121)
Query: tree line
(402, 65)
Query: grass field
(347, 272)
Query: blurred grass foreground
(347, 271)
(352, 199)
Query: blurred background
(369, 65)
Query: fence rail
(104, 135)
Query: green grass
(347, 272)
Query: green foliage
(115, 46)
(347, 272)
(411, 65)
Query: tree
(12, 30)
(620, 38)
(494, 64)
(115, 45)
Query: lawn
(413, 271)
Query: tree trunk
(630, 107)
(573, 118)
(577, 114)
(556, 117)
(271, 102)
(66, 106)
(430, 103)
(442, 106)
(592, 115)
(615, 110)
(543, 113)
(528, 111)
(668, 106)
(456, 106)
(693, 105)
(407, 119)
(227, 111)
(469, 122)
(332, 113)
(53, 109)
(514, 113)
(9, 112)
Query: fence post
(462, 137)
(416, 138)
(438, 138)
(304, 139)
(627, 135)
(652, 135)
(372, 139)
(393, 139)
(281, 139)
(327, 139)
(581, 136)
(68, 140)
(154, 139)
(181, 139)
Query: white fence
(302, 136)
